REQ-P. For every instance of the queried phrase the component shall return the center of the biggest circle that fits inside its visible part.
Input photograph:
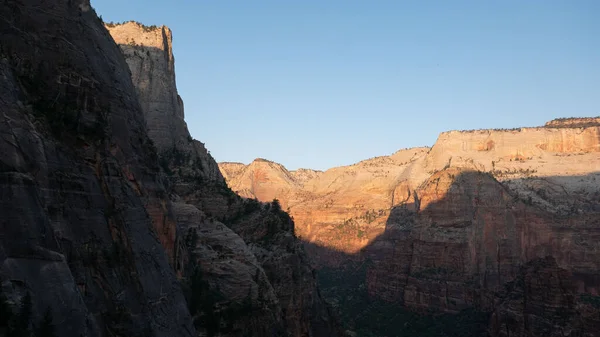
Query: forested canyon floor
(446, 229)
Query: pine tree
(275, 204)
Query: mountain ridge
(445, 228)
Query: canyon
(115, 221)
(446, 228)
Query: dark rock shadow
(457, 253)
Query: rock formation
(446, 227)
(243, 253)
(113, 220)
(83, 211)
(541, 301)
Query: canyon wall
(114, 221)
(541, 301)
(447, 227)
(83, 201)
(242, 252)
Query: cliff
(149, 55)
(554, 167)
(551, 306)
(255, 276)
(84, 210)
(445, 228)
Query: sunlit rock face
(192, 170)
(245, 254)
(445, 227)
(345, 208)
(148, 52)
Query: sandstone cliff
(446, 227)
(554, 168)
(83, 204)
(243, 253)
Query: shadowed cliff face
(457, 245)
(467, 232)
(255, 277)
(82, 201)
(541, 302)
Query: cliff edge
(244, 253)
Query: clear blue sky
(319, 84)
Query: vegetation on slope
(363, 316)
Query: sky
(318, 84)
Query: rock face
(149, 55)
(343, 208)
(468, 236)
(83, 211)
(153, 75)
(445, 228)
(541, 301)
(254, 275)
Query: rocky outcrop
(83, 211)
(148, 51)
(263, 180)
(229, 286)
(533, 148)
(255, 276)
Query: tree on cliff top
(276, 205)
